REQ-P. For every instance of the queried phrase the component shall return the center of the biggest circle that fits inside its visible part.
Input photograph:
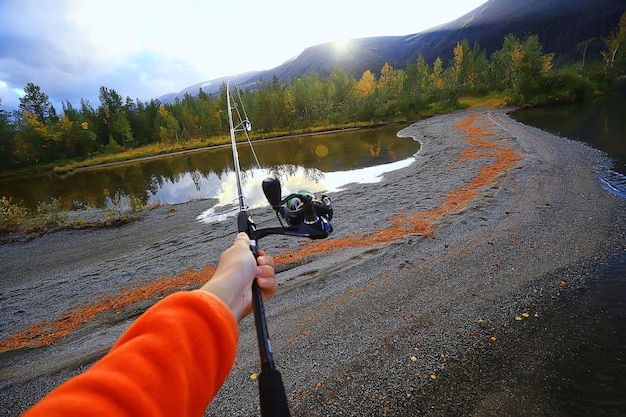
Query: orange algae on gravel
(455, 200)
(475, 133)
(48, 332)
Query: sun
(341, 45)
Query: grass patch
(145, 151)
(18, 223)
(489, 100)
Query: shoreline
(63, 170)
(472, 245)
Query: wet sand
(437, 266)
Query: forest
(37, 135)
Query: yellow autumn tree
(457, 67)
(436, 77)
(365, 86)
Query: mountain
(560, 24)
(209, 87)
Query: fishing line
(245, 123)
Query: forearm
(171, 361)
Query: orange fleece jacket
(170, 362)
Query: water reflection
(588, 377)
(601, 123)
(293, 179)
(206, 174)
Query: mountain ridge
(560, 24)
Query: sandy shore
(425, 271)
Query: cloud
(70, 51)
(145, 49)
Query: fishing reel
(305, 215)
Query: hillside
(560, 24)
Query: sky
(146, 49)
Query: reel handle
(272, 191)
(310, 216)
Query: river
(600, 123)
(322, 162)
(589, 332)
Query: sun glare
(341, 45)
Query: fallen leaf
(563, 284)
(525, 314)
(253, 376)
(493, 338)
(319, 385)
(413, 358)
(518, 318)
(433, 376)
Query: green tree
(209, 113)
(532, 68)
(502, 69)
(7, 131)
(436, 76)
(476, 75)
(76, 135)
(521, 69)
(271, 105)
(37, 103)
(389, 88)
(307, 99)
(343, 89)
(166, 126)
(36, 141)
(114, 116)
(614, 55)
(423, 79)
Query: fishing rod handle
(245, 224)
(273, 397)
(260, 323)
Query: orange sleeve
(170, 362)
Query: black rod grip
(244, 224)
(272, 394)
(260, 323)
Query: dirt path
(493, 220)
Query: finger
(264, 271)
(242, 238)
(265, 260)
(267, 285)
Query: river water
(600, 123)
(323, 162)
(583, 344)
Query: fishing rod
(305, 216)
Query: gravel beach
(418, 303)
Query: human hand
(237, 268)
